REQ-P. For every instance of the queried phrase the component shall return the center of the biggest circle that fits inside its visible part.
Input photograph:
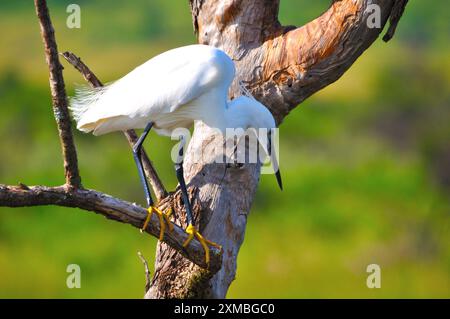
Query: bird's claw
(193, 232)
(163, 220)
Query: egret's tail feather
(85, 100)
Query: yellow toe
(147, 220)
(163, 220)
(166, 216)
(192, 232)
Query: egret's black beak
(277, 172)
(274, 161)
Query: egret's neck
(235, 117)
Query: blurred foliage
(366, 163)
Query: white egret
(170, 91)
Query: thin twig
(59, 98)
(112, 208)
(150, 172)
(91, 200)
(146, 270)
(396, 14)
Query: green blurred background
(366, 163)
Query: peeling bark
(281, 66)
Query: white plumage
(171, 90)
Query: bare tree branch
(72, 194)
(112, 208)
(146, 270)
(150, 172)
(394, 18)
(282, 66)
(59, 97)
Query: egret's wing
(161, 85)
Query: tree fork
(281, 66)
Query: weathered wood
(396, 14)
(281, 66)
(146, 270)
(59, 98)
(112, 208)
(72, 194)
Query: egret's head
(250, 115)
(246, 112)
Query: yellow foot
(163, 220)
(192, 232)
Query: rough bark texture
(113, 209)
(281, 66)
(59, 98)
(72, 193)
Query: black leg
(180, 178)
(190, 230)
(137, 158)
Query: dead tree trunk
(281, 66)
